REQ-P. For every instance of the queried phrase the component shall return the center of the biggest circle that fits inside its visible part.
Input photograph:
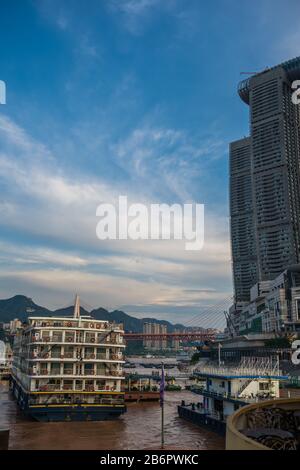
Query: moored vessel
(229, 388)
(69, 368)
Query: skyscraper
(242, 219)
(265, 180)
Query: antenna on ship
(77, 307)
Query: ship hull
(202, 420)
(64, 412)
(69, 413)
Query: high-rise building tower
(242, 219)
(265, 180)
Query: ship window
(68, 369)
(100, 384)
(90, 337)
(89, 385)
(263, 386)
(68, 384)
(101, 353)
(57, 336)
(55, 368)
(78, 384)
(70, 336)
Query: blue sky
(132, 97)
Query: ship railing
(67, 355)
(48, 387)
(55, 372)
(55, 356)
(89, 356)
(115, 373)
(69, 339)
(235, 396)
(58, 388)
(67, 387)
(234, 372)
(102, 356)
(116, 357)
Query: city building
(243, 244)
(14, 325)
(265, 180)
(175, 342)
(156, 343)
(274, 305)
(265, 204)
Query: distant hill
(21, 307)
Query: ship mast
(77, 307)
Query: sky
(125, 97)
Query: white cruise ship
(69, 368)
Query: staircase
(245, 385)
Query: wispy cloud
(41, 201)
(135, 14)
(169, 156)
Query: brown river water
(139, 428)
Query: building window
(298, 308)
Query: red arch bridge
(204, 335)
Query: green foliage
(282, 342)
(195, 358)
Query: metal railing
(249, 366)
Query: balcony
(271, 424)
(90, 356)
(115, 373)
(67, 355)
(102, 356)
(67, 387)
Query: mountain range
(21, 307)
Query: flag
(162, 387)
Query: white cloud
(42, 202)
